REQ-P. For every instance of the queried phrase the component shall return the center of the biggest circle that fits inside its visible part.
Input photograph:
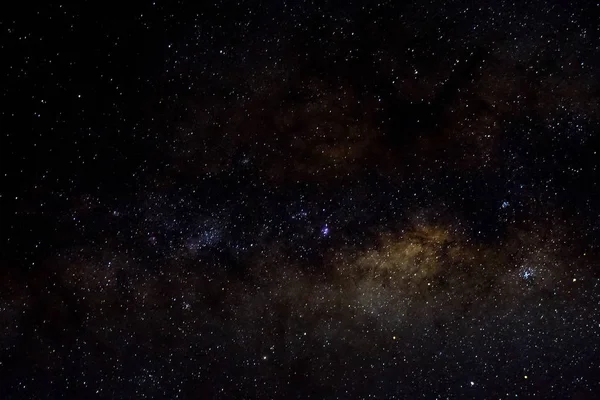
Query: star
(300, 183)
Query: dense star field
(300, 199)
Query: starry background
(300, 199)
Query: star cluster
(301, 200)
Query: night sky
(300, 199)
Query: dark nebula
(294, 199)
